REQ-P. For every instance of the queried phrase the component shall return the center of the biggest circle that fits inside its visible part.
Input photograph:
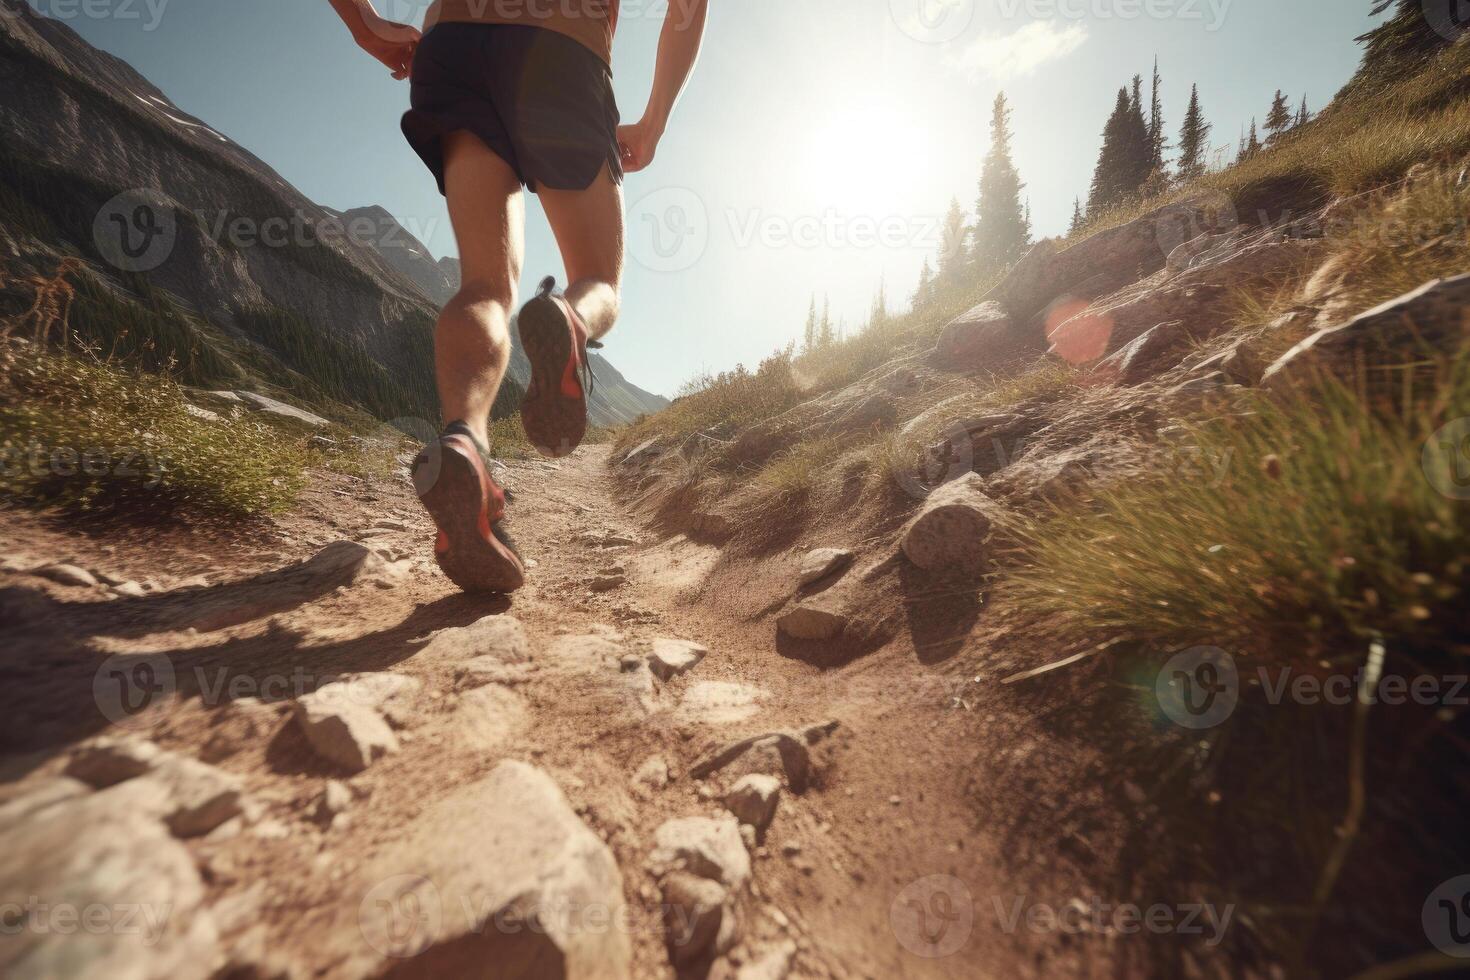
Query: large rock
(986, 339)
(953, 528)
(102, 855)
(710, 847)
(1145, 356)
(1432, 320)
(500, 878)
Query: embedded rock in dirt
(643, 453)
(1431, 319)
(818, 563)
(709, 847)
(489, 717)
(774, 754)
(500, 636)
(812, 621)
(753, 800)
(670, 658)
(491, 669)
(40, 798)
(1110, 324)
(68, 575)
(346, 733)
(191, 797)
(1145, 356)
(602, 676)
(985, 338)
(281, 412)
(697, 917)
(98, 852)
(606, 583)
(719, 703)
(653, 774)
(332, 802)
(493, 868)
(952, 529)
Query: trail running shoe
(472, 547)
(554, 338)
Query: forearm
(678, 50)
(356, 14)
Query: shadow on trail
(61, 689)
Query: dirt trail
(893, 799)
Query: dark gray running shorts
(542, 101)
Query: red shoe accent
(554, 339)
(465, 504)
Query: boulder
(697, 917)
(819, 563)
(709, 847)
(812, 621)
(103, 852)
(643, 453)
(498, 878)
(670, 658)
(753, 800)
(1111, 323)
(985, 338)
(1432, 320)
(953, 527)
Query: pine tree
(1001, 230)
(1303, 115)
(1126, 157)
(1078, 218)
(952, 246)
(926, 285)
(1252, 146)
(879, 312)
(1194, 138)
(1278, 121)
(809, 337)
(1158, 142)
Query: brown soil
(933, 769)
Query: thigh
(487, 209)
(588, 225)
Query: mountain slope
(220, 269)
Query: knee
(482, 293)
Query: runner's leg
(472, 342)
(588, 225)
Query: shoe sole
(554, 423)
(455, 494)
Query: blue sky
(814, 152)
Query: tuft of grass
(93, 436)
(1335, 521)
(508, 439)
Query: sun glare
(865, 156)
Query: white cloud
(1021, 52)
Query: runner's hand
(637, 145)
(391, 43)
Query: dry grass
(1330, 526)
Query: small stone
(820, 563)
(790, 848)
(670, 658)
(606, 583)
(707, 846)
(895, 800)
(130, 590)
(334, 800)
(811, 622)
(753, 800)
(348, 734)
(68, 575)
(654, 773)
(953, 528)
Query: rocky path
(320, 760)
